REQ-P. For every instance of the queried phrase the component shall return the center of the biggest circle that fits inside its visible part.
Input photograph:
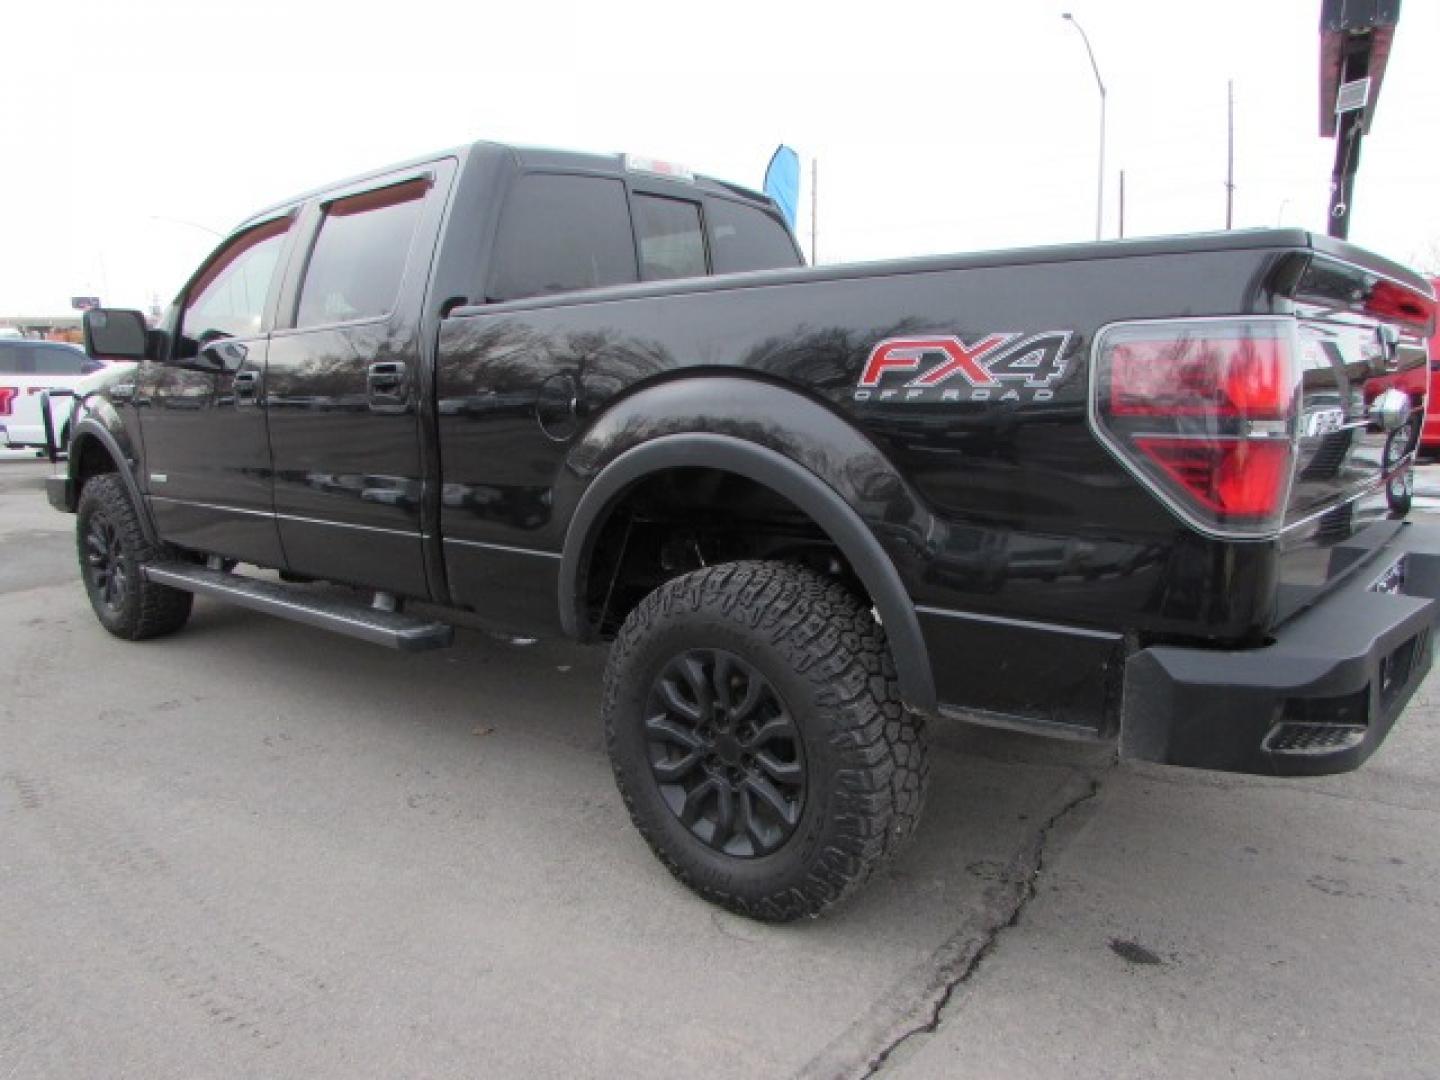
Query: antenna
(1230, 155)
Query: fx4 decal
(7, 399)
(996, 367)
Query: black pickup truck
(1145, 492)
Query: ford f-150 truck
(1138, 492)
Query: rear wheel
(113, 549)
(755, 728)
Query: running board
(342, 616)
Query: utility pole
(1230, 156)
(1122, 204)
(814, 210)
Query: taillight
(1203, 412)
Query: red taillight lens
(1200, 377)
(1236, 478)
(1203, 412)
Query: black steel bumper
(60, 490)
(1319, 699)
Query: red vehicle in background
(1430, 432)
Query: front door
(207, 457)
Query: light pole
(1100, 183)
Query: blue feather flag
(782, 181)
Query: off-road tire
(864, 755)
(139, 608)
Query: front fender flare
(88, 427)
(807, 491)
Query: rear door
(346, 385)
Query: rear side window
(672, 244)
(561, 233)
(57, 361)
(744, 238)
(359, 257)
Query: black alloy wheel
(105, 568)
(725, 752)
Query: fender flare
(807, 491)
(88, 427)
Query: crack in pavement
(917, 1010)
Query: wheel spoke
(724, 815)
(772, 798)
(781, 727)
(677, 703)
(695, 800)
(754, 691)
(665, 728)
(694, 672)
(748, 825)
(786, 772)
(673, 770)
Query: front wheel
(757, 736)
(113, 549)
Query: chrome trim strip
(210, 506)
(504, 547)
(291, 517)
(415, 533)
(1022, 624)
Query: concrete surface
(257, 850)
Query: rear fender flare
(785, 477)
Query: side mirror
(115, 334)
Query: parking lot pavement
(256, 849)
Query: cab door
(207, 454)
(346, 383)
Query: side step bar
(342, 616)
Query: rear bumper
(1319, 699)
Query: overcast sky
(938, 126)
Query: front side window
(560, 233)
(228, 299)
(359, 257)
(672, 244)
(745, 238)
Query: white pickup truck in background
(28, 368)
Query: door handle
(387, 375)
(246, 383)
